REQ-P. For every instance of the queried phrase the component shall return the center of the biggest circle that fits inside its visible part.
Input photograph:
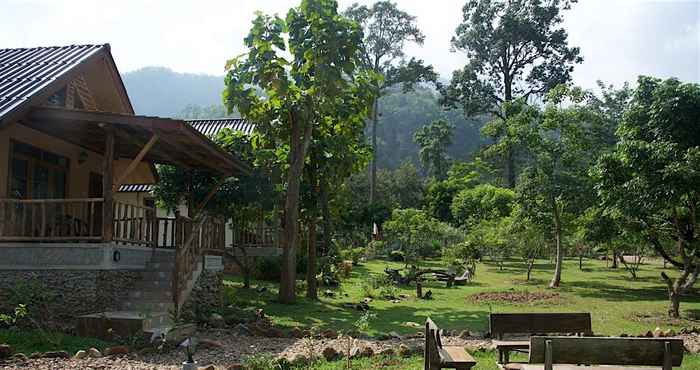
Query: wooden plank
(518, 366)
(606, 351)
(135, 162)
(539, 323)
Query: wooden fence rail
(51, 219)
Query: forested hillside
(162, 92)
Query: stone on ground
(94, 353)
(330, 354)
(116, 350)
(5, 351)
(80, 355)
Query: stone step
(123, 324)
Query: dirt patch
(515, 297)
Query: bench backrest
(432, 345)
(665, 352)
(539, 323)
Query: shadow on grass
(610, 292)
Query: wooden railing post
(107, 182)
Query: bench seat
(511, 344)
(516, 366)
(456, 357)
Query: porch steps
(146, 307)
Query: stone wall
(59, 295)
(206, 296)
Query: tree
(434, 140)
(653, 177)
(556, 185)
(386, 30)
(485, 201)
(288, 98)
(516, 50)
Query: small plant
(361, 325)
(261, 362)
(10, 320)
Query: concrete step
(160, 266)
(147, 306)
(151, 293)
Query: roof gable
(28, 76)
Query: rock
(296, 333)
(465, 334)
(403, 351)
(329, 334)
(210, 343)
(669, 333)
(56, 354)
(116, 350)
(273, 332)
(367, 351)
(210, 367)
(179, 333)
(80, 355)
(623, 335)
(216, 321)
(387, 352)
(94, 353)
(479, 334)
(382, 336)
(36, 355)
(649, 334)
(658, 333)
(5, 351)
(19, 357)
(692, 346)
(242, 330)
(235, 367)
(330, 354)
(412, 324)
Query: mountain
(159, 91)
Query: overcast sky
(620, 39)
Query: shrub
(375, 247)
(345, 268)
(397, 256)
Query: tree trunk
(530, 264)
(674, 307)
(300, 140)
(311, 289)
(614, 259)
(373, 167)
(580, 262)
(326, 213)
(556, 279)
(510, 168)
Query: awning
(177, 142)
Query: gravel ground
(233, 350)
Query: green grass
(30, 341)
(617, 303)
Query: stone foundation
(206, 296)
(62, 295)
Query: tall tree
(516, 50)
(434, 139)
(387, 30)
(288, 98)
(653, 177)
(556, 185)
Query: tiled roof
(211, 127)
(25, 72)
(135, 188)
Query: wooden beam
(135, 162)
(107, 195)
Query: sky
(619, 39)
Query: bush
(345, 269)
(374, 248)
(397, 256)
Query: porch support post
(107, 180)
(135, 162)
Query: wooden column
(107, 180)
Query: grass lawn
(617, 303)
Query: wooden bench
(438, 356)
(505, 324)
(595, 353)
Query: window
(37, 174)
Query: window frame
(32, 163)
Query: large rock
(80, 355)
(298, 360)
(216, 321)
(387, 352)
(329, 334)
(210, 343)
(5, 351)
(94, 353)
(296, 333)
(242, 330)
(330, 354)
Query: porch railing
(51, 219)
(134, 224)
